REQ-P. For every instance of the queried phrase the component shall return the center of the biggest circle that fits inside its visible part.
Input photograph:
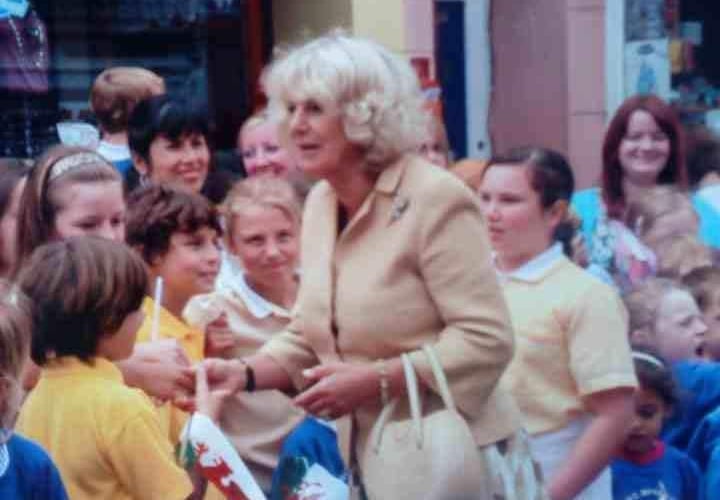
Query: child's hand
(219, 341)
(163, 350)
(208, 401)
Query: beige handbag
(431, 456)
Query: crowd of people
(577, 332)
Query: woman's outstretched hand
(339, 388)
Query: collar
(169, 325)
(71, 365)
(389, 179)
(232, 280)
(654, 454)
(258, 305)
(537, 267)
(4, 459)
(113, 152)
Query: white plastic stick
(155, 327)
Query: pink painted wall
(586, 88)
(529, 73)
(549, 79)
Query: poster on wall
(647, 68)
(644, 20)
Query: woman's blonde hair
(15, 334)
(643, 302)
(644, 213)
(376, 91)
(255, 120)
(260, 190)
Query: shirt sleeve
(142, 459)
(476, 344)
(600, 356)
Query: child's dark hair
(165, 115)
(80, 289)
(156, 212)
(550, 176)
(654, 374)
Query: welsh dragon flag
(204, 446)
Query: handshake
(163, 370)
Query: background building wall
(402, 25)
(586, 88)
(295, 21)
(548, 63)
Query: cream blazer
(412, 267)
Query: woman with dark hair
(644, 146)
(169, 139)
(572, 373)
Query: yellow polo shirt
(103, 436)
(571, 340)
(191, 339)
(172, 327)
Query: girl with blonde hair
(262, 217)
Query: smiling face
(318, 144)
(644, 150)
(261, 151)
(650, 412)
(518, 226)
(183, 161)
(679, 326)
(91, 209)
(266, 240)
(191, 263)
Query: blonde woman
(394, 257)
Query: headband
(649, 359)
(72, 162)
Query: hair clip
(72, 162)
(649, 359)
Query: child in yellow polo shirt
(572, 373)
(177, 233)
(104, 436)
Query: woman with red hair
(643, 147)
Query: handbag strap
(440, 378)
(413, 392)
(414, 398)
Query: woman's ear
(141, 164)
(559, 212)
